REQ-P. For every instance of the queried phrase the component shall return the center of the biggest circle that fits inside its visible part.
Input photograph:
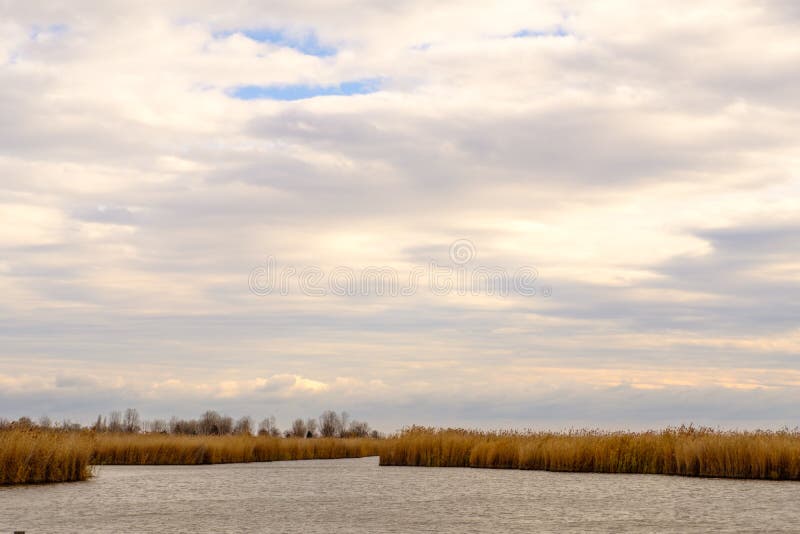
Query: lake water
(331, 496)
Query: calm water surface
(331, 496)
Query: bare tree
(132, 422)
(184, 426)
(299, 428)
(329, 424)
(100, 425)
(357, 429)
(115, 421)
(69, 426)
(267, 427)
(311, 427)
(210, 423)
(226, 425)
(158, 426)
(244, 426)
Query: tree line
(329, 424)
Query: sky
(201, 204)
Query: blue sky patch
(303, 91)
(307, 43)
(52, 29)
(558, 31)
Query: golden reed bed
(34, 456)
(159, 449)
(31, 456)
(681, 451)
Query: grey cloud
(72, 381)
(752, 303)
(562, 148)
(469, 140)
(107, 214)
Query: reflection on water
(329, 496)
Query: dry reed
(684, 451)
(35, 456)
(32, 456)
(166, 449)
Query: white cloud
(642, 156)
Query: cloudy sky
(160, 161)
